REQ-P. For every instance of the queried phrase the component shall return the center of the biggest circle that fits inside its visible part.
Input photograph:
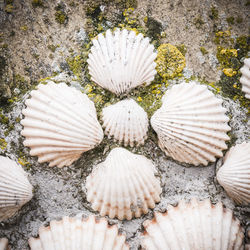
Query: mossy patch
(3, 144)
(169, 62)
(203, 51)
(60, 14)
(230, 51)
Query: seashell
(15, 189)
(126, 121)
(193, 226)
(245, 78)
(4, 244)
(79, 234)
(191, 124)
(123, 186)
(234, 175)
(121, 61)
(60, 124)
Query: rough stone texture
(59, 192)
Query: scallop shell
(234, 175)
(15, 189)
(245, 79)
(191, 124)
(4, 244)
(121, 61)
(126, 121)
(193, 226)
(79, 234)
(123, 186)
(60, 124)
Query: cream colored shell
(79, 234)
(123, 186)
(245, 78)
(121, 61)
(60, 124)
(126, 122)
(15, 189)
(194, 226)
(234, 175)
(191, 124)
(4, 244)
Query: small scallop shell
(15, 189)
(234, 175)
(123, 186)
(79, 234)
(126, 121)
(191, 124)
(60, 124)
(121, 61)
(4, 244)
(193, 226)
(245, 79)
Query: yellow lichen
(229, 72)
(139, 99)
(169, 62)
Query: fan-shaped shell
(60, 124)
(121, 61)
(4, 244)
(193, 226)
(79, 234)
(234, 175)
(126, 121)
(191, 124)
(123, 186)
(245, 78)
(15, 189)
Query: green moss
(230, 51)
(76, 64)
(169, 62)
(198, 22)
(182, 48)
(239, 20)
(3, 144)
(53, 47)
(214, 14)
(230, 20)
(61, 17)
(9, 8)
(203, 51)
(4, 119)
(37, 3)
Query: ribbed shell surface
(15, 189)
(191, 124)
(245, 78)
(4, 244)
(194, 226)
(123, 186)
(121, 61)
(79, 234)
(126, 122)
(234, 175)
(60, 124)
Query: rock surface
(43, 38)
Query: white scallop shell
(123, 186)
(79, 234)
(60, 124)
(126, 121)
(245, 78)
(234, 175)
(15, 189)
(193, 226)
(191, 124)
(4, 244)
(121, 61)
